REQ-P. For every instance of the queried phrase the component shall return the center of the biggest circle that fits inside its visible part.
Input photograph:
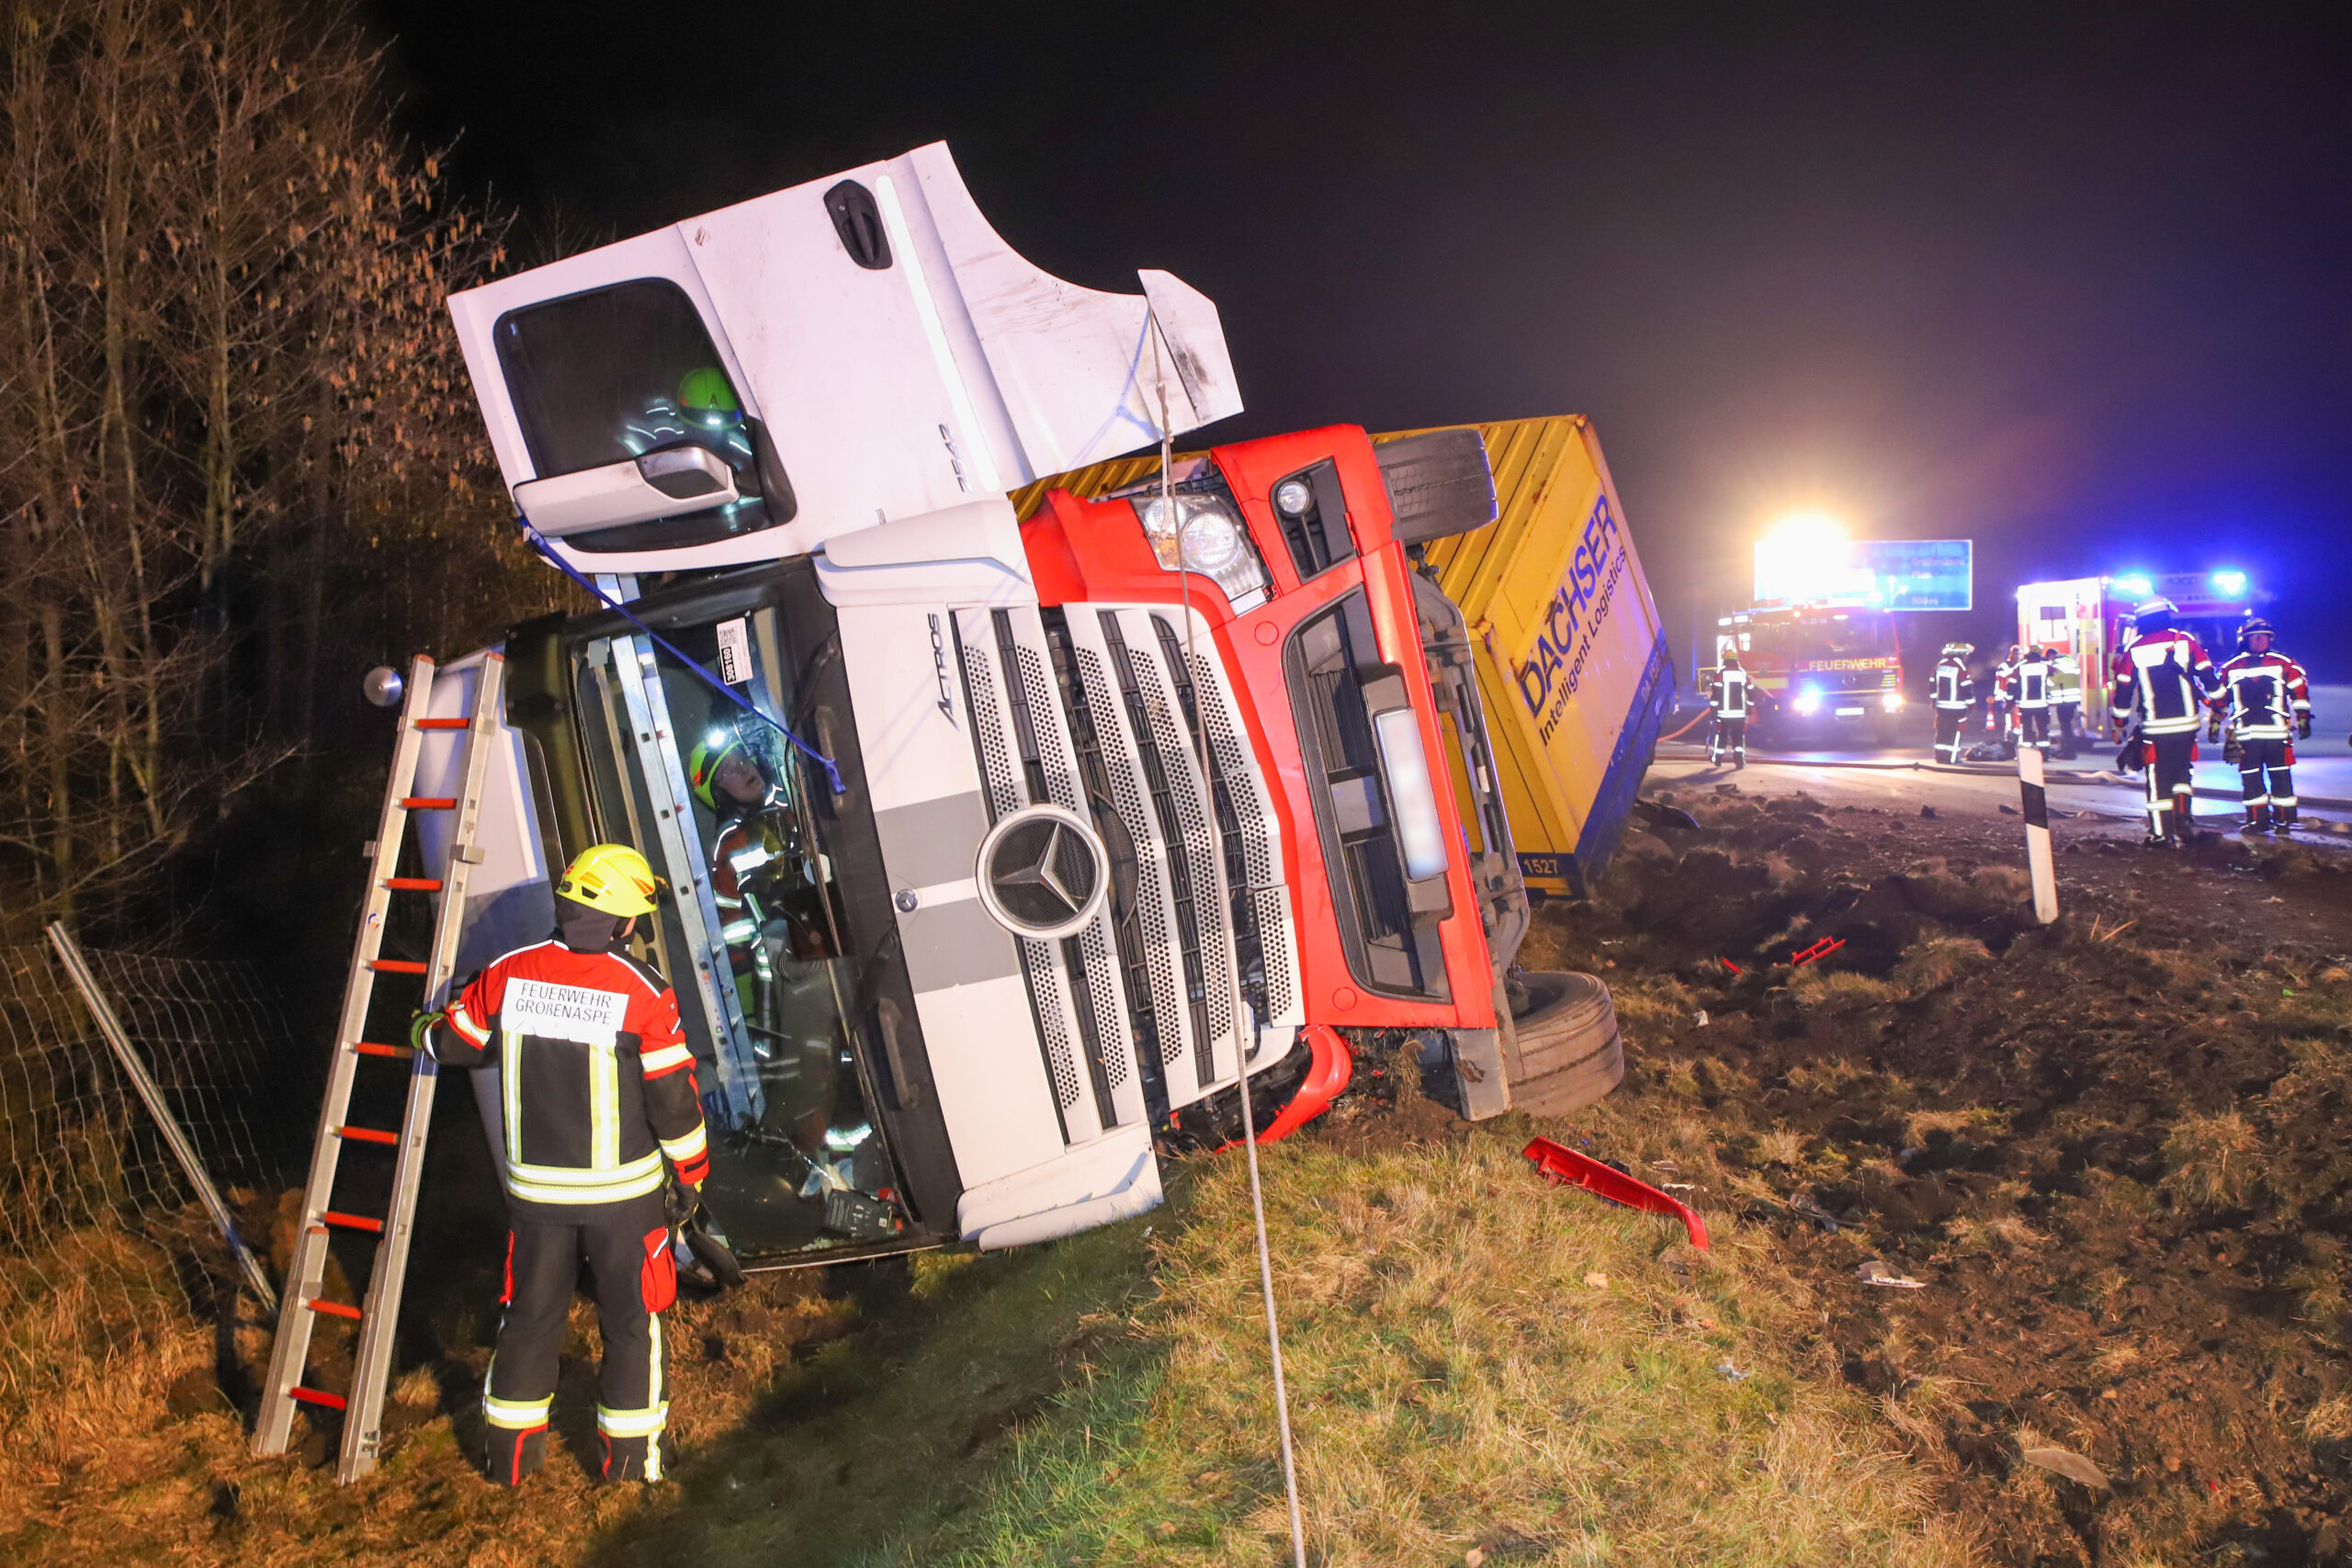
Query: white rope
(1243, 1050)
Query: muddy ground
(2112, 1151)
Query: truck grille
(1102, 712)
(1024, 759)
(1248, 832)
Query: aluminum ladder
(379, 1314)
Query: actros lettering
(939, 665)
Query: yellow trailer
(1573, 668)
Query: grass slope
(1477, 1362)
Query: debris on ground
(2113, 1147)
(2070, 1464)
(1875, 1271)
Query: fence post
(77, 968)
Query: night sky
(2072, 285)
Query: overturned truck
(997, 848)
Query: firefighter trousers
(2036, 724)
(2265, 768)
(626, 1246)
(1947, 727)
(2167, 759)
(1730, 739)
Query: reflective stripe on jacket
(597, 1085)
(2162, 679)
(2264, 693)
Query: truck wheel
(1439, 483)
(1569, 1051)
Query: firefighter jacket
(2265, 693)
(1954, 687)
(1729, 695)
(2162, 680)
(2005, 676)
(2065, 679)
(2030, 685)
(595, 1077)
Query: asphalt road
(2088, 786)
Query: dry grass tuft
(1837, 991)
(2330, 1421)
(1931, 964)
(2212, 1162)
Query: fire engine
(1820, 667)
(1060, 827)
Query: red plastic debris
(1730, 965)
(1819, 950)
(1570, 1168)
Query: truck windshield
(755, 940)
(1863, 634)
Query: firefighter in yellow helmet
(602, 1113)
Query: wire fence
(102, 1242)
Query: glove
(419, 1026)
(2213, 728)
(2302, 726)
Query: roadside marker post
(2034, 801)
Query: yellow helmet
(610, 878)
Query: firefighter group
(2164, 687)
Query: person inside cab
(779, 932)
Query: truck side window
(612, 374)
(1313, 512)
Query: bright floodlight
(1803, 559)
(2136, 585)
(1806, 528)
(2228, 584)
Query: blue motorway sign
(1880, 574)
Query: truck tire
(1570, 1052)
(1439, 484)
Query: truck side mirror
(659, 484)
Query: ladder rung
(337, 1308)
(396, 966)
(318, 1396)
(369, 1048)
(429, 803)
(443, 723)
(353, 1221)
(414, 883)
(368, 1134)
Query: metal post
(77, 968)
(2035, 803)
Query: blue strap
(538, 542)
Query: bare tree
(231, 399)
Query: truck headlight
(1891, 702)
(1204, 537)
(1808, 700)
(1411, 792)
